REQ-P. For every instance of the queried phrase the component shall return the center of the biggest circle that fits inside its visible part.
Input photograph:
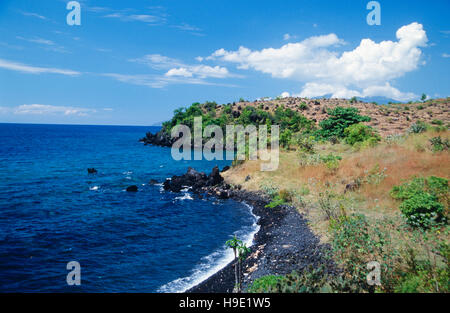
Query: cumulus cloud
(201, 71)
(15, 66)
(285, 94)
(175, 72)
(367, 69)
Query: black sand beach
(284, 243)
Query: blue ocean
(53, 212)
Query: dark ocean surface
(53, 212)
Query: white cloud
(14, 66)
(34, 15)
(367, 69)
(201, 71)
(285, 94)
(160, 81)
(446, 55)
(187, 27)
(38, 41)
(46, 43)
(45, 109)
(176, 72)
(341, 91)
(286, 37)
(145, 18)
(157, 61)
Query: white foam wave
(214, 262)
(94, 188)
(186, 196)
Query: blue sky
(134, 62)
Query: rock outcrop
(161, 138)
(132, 188)
(199, 182)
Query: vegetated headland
(357, 182)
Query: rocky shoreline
(284, 242)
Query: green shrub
(310, 280)
(418, 127)
(438, 144)
(360, 133)
(305, 143)
(277, 201)
(339, 119)
(355, 242)
(437, 122)
(433, 185)
(264, 284)
(285, 138)
(303, 106)
(422, 209)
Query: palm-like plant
(240, 253)
(234, 244)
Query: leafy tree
(424, 97)
(339, 119)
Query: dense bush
(339, 119)
(422, 209)
(360, 133)
(436, 186)
(421, 198)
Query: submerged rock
(132, 188)
(92, 170)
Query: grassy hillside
(372, 180)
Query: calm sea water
(53, 212)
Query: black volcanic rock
(194, 179)
(132, 188)
(225, 168)
(92, 170)
(214, 178)
(153, 182)
(161, 138)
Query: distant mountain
(378, 100)
(157, 123)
